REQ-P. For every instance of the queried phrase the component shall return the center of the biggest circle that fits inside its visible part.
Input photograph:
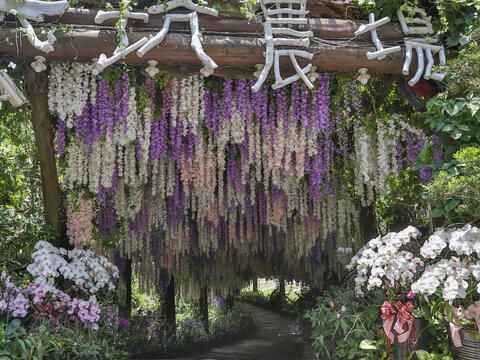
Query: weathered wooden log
(234, 55)
(336, 9)
(36, 85)
(328, 28)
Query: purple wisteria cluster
(198, 171)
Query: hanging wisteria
(219, 172)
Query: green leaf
(455, 109)
(437, 212)
(451, 204)
(426, 154)
(368, 344)
(14, 325)
(422, 355)
(453, 171)
(455, 134)
(464, 127)
(464, 40)
(473, 107)
(449, 312)
(448, 128)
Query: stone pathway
(271, 340)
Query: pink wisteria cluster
(79, 221)
(41, 301)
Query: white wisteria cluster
(455, 272)
(86, 269)
(381, 261)
(69, 90)
(375, 155)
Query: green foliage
(254, 297)
(346, 327)
(456, 122)
(18, 234)
(456, 195)
(435, 330)
(405, 202)
(19, 180)
(463, 71)
(48, 342)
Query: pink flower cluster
(46, 302)
(12, 298)
(79, 222)
(88, 312)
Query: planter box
(470, 349)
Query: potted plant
(385, 262)
(452, 274)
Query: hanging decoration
(192, 175)
(276, 16)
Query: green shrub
(345, 326)
(456, 195)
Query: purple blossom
(399, 155)
(60, 136)
(227, 99)
(321, 105)
(282, 111)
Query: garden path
(271, 340)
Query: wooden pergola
(232, 41)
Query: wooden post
(229, 302)
(127, 280)
(168, 308)
(36, 86)
(255, 284)
(203, 304)
(281, 290)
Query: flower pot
(399, 349)
(470, 349)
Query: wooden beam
(36, 85)
(233, 54)
(318, 8)
(328, 28)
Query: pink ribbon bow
(388, 315)
(404, 319)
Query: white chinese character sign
(144, 45)
(192, 18)
(34, 10)
(416, 24)
(280, 16)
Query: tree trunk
(368, 223)
(126, 304)
(203, 304)
(229, 302)
(255, 284)
(168, 308)
(36, 85)
(281, 290)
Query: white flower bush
(452, 259)
(86, 269)
(452, 274)
(381, 261)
